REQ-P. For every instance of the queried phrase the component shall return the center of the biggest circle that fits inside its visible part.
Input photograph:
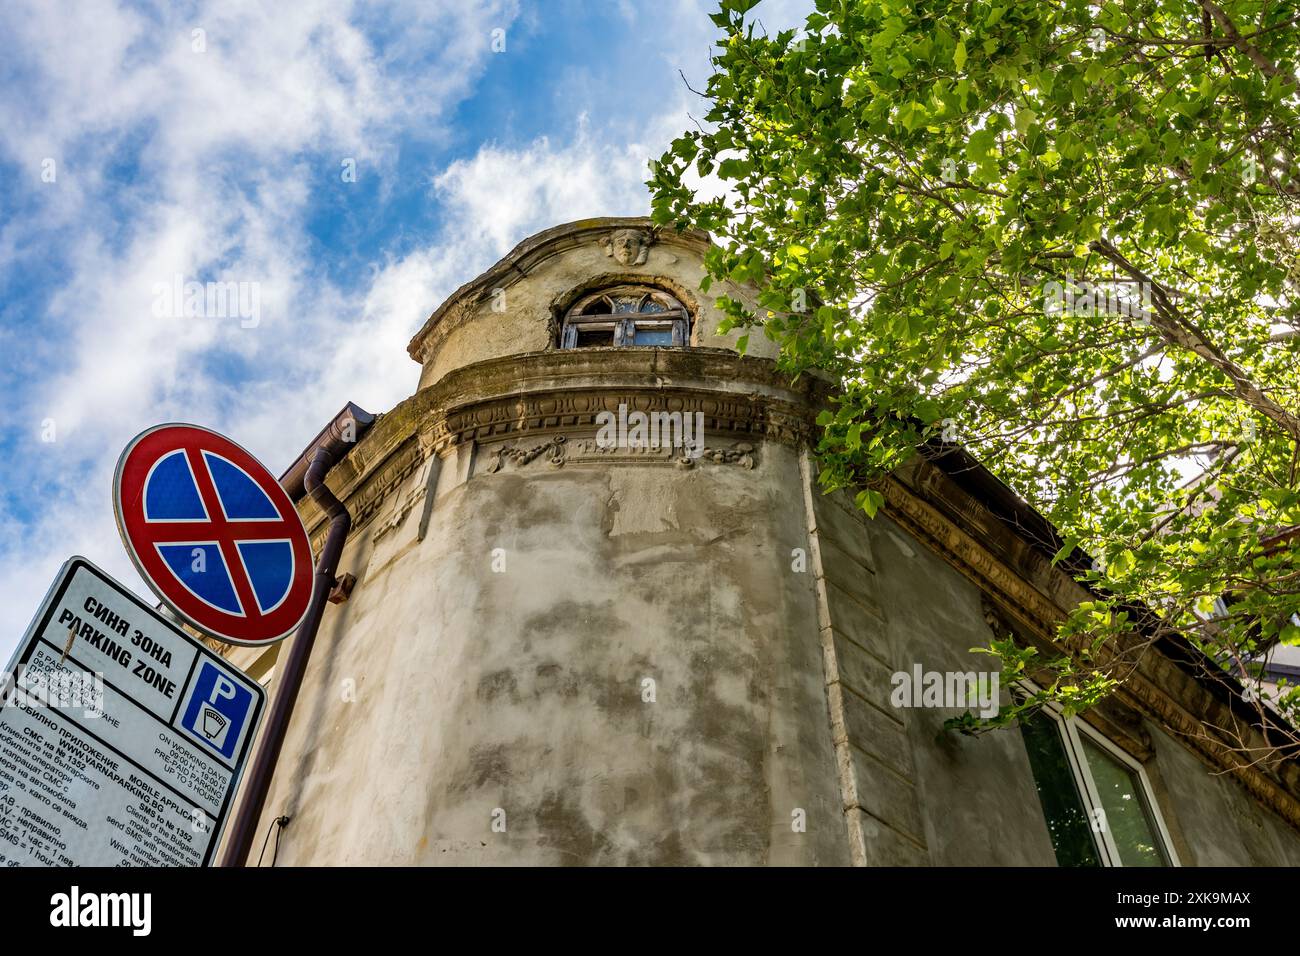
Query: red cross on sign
(213, 533)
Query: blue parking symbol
(217, 710)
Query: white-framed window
(1096, 799)
(626, 315)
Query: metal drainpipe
(290, 677)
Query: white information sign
(122, 738)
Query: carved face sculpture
(629, 247)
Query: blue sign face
(217, 710)
(172, 495)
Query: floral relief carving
(563, 451)
(522, 456)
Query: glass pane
(590, 338)
(1127, 814)
(653, 337)
(627, 303)
(1067, 822)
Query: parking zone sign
(122, 738)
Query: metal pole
(289, 677)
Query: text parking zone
(122, 746)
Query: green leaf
(1067, 549)
(870, 501)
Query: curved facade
(566, 650)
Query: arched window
(625, 315)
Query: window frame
(1070, 730)
(624, 325)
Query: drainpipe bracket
(342, 589)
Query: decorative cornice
(365, 499)
(558, 393)
(579, 409)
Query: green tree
(1061, 234)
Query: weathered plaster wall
(974, 797)
(1218, 823)
(522, 689)
(443, 690)
(485, 334)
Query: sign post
(122, 738)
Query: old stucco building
(560, 652)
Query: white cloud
(227, 140)
(221, 138)
(502, 195)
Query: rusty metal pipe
(289, 677)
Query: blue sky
(144, 141)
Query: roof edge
(527, 250)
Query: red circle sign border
(149, 447)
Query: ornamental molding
(561, 450)
(628, 247)
(540, 401)
(366, 496)
(723, 415)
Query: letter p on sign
(216, 710)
